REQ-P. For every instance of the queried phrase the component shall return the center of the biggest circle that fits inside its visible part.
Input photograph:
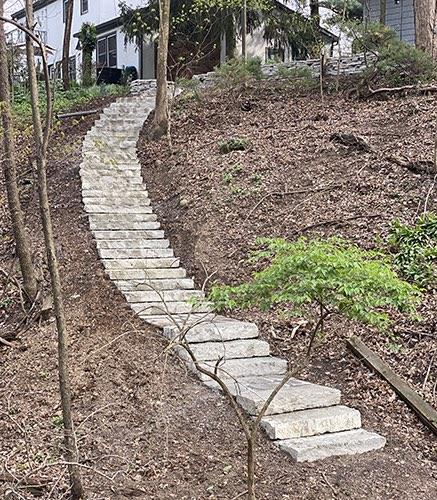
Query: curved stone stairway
(305, 420)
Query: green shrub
(191, 89)
(370, 37)
(415, 250)
(63, 100)
(284, 71)
(402, 64)
(332, 274)
(237, 72)
(234, 144)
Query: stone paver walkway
(305, 420)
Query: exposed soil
(215, 205)
(147, 428)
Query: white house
(111, 52)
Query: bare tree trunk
(10, 173)
(161, 121)
(66, 45)
(41, 140)
(314, 8)
(425, 12)
(244, 31)
(251, 468)
(382, 11)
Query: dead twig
(6, 343)
(281, 194)
(334, 222)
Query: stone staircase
(305, 420)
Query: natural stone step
(112, 225)
(309, 449)
(214, 351)
(252, 393)
(109, 173)
(146, 274)
(98, 165)
(214, 330)
(113, 264)
(117, 209)
(249, 367)
(132, 199)
(137, 297)
(128, 235)
(163, 320)
(112, 186)
(145, 309)
(135, 253)
(106, 193)
(124, 217)
(311, 422)
(159, 284)
(137, 243)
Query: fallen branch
(424, 410)
(290, 193)
(416, 166)
(5, 342)
(351, 141)
(77, 114)
(334, 222)
(392, 90)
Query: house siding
(49, 18)
(400, 17)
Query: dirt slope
(147, 429)
(295, 180)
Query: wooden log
(425, 411)
(77, 114)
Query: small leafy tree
(88, 41)
(414, 250)
(332, 275)
(402, 64)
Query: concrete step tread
(135, 253)
(124, 225)
(311, 422)
(146, 274)
(142, 263)
(138, 297)
(237, 368)
(309, 449)
(252, 392)
(158, 284)
(234, 349)
(133, 243)
(216, 329)
(111, 234)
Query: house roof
(39, 4)
(105, 27)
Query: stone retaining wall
(349, 65)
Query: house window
(72, 68)
(83, 7)
(58, 70)
(107, 51)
